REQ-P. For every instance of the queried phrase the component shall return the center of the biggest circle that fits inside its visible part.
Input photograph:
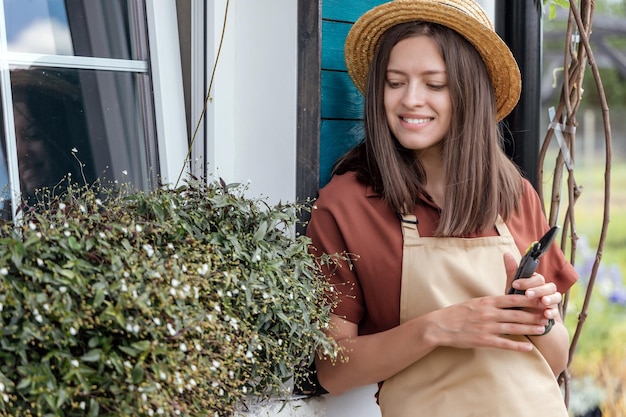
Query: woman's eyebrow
(427, 72)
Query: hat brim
(364, 37)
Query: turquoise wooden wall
(342, 104)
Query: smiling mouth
(416, 121)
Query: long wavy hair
(481, 181)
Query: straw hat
(464, 16)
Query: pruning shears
(530, 260)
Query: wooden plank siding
(330, 108)
(341, 102)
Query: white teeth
(416, 121)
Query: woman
(437, 217)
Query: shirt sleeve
(528, 226)
(327, 239)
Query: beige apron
(450, 382)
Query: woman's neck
(435, 175)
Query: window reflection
(89, 28)
(50, 127)
(83, 124)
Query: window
(77, 95)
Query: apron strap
(501, 227)
(409, 228)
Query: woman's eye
(437, 87)
(393, 84)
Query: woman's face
(416, 96)
(36, 161)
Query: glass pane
(83, 123)
(90, 28)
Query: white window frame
(166, 75)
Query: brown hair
(481, 181)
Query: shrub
(171, 302)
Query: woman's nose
(414, 95)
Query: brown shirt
(349, 217)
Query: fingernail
(540, 329)
(530, 293)
(548, 300)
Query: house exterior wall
(252, 115)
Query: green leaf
(17, 253)
(61, 397)
(91, 356)
(142, 346)
(73, 243)
(260, 232)
(23, 384)
(98, 298)
(137, 374)
(94, 408)
(129, 351)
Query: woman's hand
(482, 322)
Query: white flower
(32, 226)
(74, 150)
(83, 208)
(203, 269)
(73, 331)
(127, 364)
(126, 173)
(175, 282)
(162, 376)
(138, 228)
(4, 271)
(74, 363)
(62, 289)
(62, 206)
(98, 201)
(82, 405)
(157, 321)
(5, 397)
(148, 249)
(1, 387)
(67, 234)
(183, 347)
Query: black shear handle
(530, 260)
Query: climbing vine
(578, 56)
